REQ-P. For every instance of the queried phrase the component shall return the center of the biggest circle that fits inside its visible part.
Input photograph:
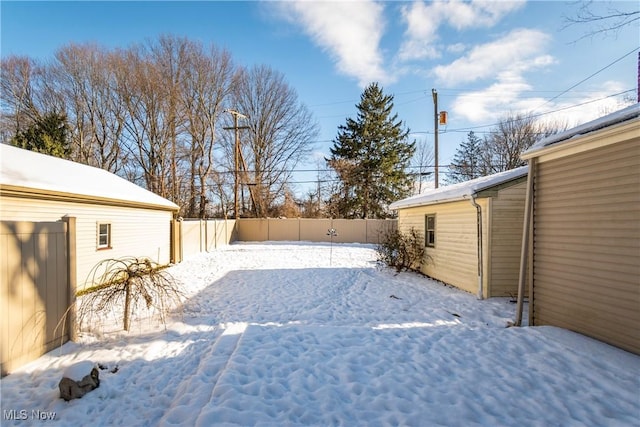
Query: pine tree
(370, 155)
(48, 135)
(468, 161)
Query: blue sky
(484, 58)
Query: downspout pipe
(524, 250)
(480, 256)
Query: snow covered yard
(274, 335)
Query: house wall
(506, 239)
(586, 257)
(135, 232)
(454, 260)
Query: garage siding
(587, 244)
(454, 259)
(135, 232)
(506, 240)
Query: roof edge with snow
(462, 190)
(25, 173)
(621, 116)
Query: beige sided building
(584, 252)
(58, 219)
(472, 232)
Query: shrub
(402, 251)
(128, 283)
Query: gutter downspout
(524, 250)
(480, 257)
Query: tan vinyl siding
(454, 260)
(507, 217)
(33, 290)
(135, 232)
(587, 244)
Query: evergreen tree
(370, 156)
(468, 162)
(47, 135)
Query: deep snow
(272, 334)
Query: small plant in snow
(402, 251)
(129, 283)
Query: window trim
(99, 234)
(428, 232)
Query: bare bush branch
(402, 251)
(129, 284)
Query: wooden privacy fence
(36, 289)
(195, 236)
(204, 235)
(314, 230)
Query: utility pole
(434, 93)
(236, 157)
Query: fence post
(176, 241)
(72, 275)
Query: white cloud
(509, 95)
(517, 52)
(597, 104)
(424, 19)
(349, 31)
(477, 14)
(456, 48)
(421, 33)
(487, 104)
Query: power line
(465, 129)
(468, 128)
(451, 92)
(589, 77)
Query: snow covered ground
(286, 334)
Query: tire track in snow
(198, 388)
(226, 346)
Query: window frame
(99, 234)
(428, 232)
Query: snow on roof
(623, 115)
(27, 169)
(460, 190)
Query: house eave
(433, 202)
(58, 196)
(480, 193)
(588, 141)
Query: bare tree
(139, 88)
(220, 185)
(85, 76)
(513, 135)
(18, 91)
(170, 56)
(28, 96)
(152, 113)
(280, 134)
(605, 21)
(421, 165)
(150, 126)
(206, 85)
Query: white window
(430, 231)
(104, 235)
